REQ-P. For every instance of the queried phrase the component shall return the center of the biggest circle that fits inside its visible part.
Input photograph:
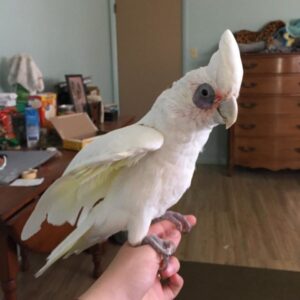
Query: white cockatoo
(141, 170)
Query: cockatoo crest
(225, 66)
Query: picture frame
(77, 91)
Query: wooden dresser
(267, 132)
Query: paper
(19, 161)
(27, 182)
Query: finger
(191, 219)
(174, 286)
(171, 269)
(164, 226)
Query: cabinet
(267, 131)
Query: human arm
(133, 274)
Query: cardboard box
(75, 130)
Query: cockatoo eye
(204, 96)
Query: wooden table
(16, 205)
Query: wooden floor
(250, 219)
(66, 280)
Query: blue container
(32, 121)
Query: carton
(47, 109)
(75, 130)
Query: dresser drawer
(267, 131)
(257, 104)
(267, 125)
(285, 84)
(281, 149)
(277, 64)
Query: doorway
(149, 51)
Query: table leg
(97, 252)
(9, 266)
(24, 259)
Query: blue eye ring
(204, 96)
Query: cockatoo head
(208, 95)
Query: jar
(65, 109)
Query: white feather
(89, 175)
(65, 246)
(117, 145)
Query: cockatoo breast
(162, 176)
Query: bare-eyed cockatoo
(140, 171)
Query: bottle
(32, 127)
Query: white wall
(63, 36)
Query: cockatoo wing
(89, 175)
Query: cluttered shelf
(34, 118)
(27, 114)
(34, 127)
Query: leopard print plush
(265, 34)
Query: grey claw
(176, 218)
(163, 247)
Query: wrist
(111, 285)
(107, 288)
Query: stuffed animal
(265, 34)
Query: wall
(63, 37)
(205, 21)
(73, 36)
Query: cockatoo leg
(137, 235)
(176, 218)
(164, 247)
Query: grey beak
(228, 110)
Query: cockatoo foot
(176, 218)
(163, 247)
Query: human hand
(133, 274)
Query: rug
(203, 281)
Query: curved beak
(227, 111)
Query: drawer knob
(249, 105)
(248, 126)
(250, 85)
(297, 150)
(250, 66)
(298, 126)
(246, 149)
